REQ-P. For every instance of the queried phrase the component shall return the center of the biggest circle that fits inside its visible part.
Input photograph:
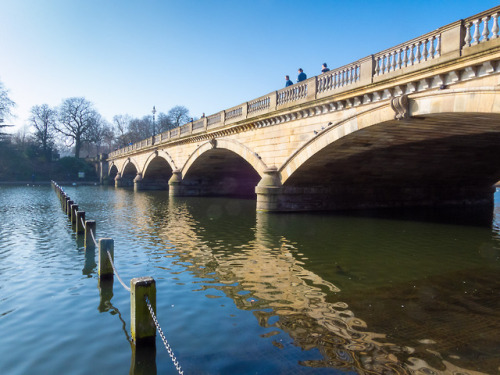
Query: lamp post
(154, 130)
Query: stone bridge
(415, 125)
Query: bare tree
(164, 123)
(179, 115)
(43, 119)
(6, 105)
(140, 129)
(76, 117)
(98, 130)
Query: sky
(126, 56)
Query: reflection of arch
(244, 152)
(465, 101)
(158, 154)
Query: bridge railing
(446, 43)
(481, 27)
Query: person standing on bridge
(324, 68)
(302, 76)
(288, 81)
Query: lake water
(240, 292)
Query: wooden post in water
(142, 326)
(88, 241)
(80, 222)
(68, 208)
(105, 267)
(74, 208)
(66, 203)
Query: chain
(165, 342)
(83, 223)
(93, 238)
(116, 273)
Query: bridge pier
(175, 184)
(269, 191)
(288, 198)
(138, 182)
(103, 169)
(118, 180)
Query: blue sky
(126, 56)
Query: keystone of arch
(238, 148)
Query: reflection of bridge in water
(416, 124)
(262, 273)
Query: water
(245, 293)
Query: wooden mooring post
(90, 226)
(72, 216)
(68, 208)
(105, 267)
(142, 326)
(80, 222)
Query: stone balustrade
(487, 22)
(199, 124)
(337, 78)
(447, 42)
(259, 105)
(414, 52)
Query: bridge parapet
(408, 62)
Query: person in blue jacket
(288, 81)
(302, 76)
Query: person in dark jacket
(288, 81)
(302, 76)
(324, 69)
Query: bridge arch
(129, 171)
(442, 113)
(236, 147)
(156, 172)
(222, 167)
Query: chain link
(116, 273)
(83, 223)
(165, 342)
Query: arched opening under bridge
(220, 172)
(156, 175)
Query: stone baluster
(475, 36)
(412, 55)
(393, 60)
(419, 54)
(438, 45)
(405, 56)
(382, 66)
(400, 59)
(495, 28)
(486, 31)
(351, 75)
(425, 53)
(431, 47)
(377, 66)
(468, 37)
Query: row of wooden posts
(142, 325)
